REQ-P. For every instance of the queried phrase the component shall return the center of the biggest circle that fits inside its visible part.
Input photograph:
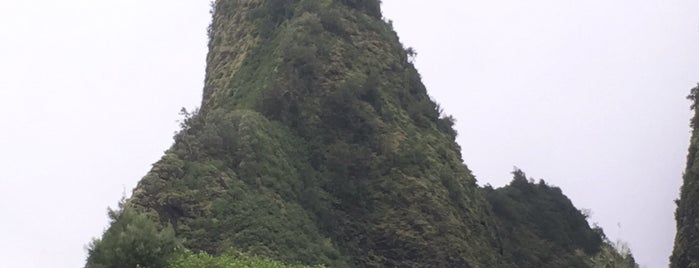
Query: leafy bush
(132, 241)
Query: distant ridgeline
(686, 252)
(317, 144)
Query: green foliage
(202, 260)
(694, 96)
(616, 255)
(297, 158)
(317, 143)
(540, 226)
(686, 250)
(271, 14)
(132, 240)
(371, 7)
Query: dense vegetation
(541, 227)
(136, 239)
(317, 143)
(202, 260)
(686, 251)
(133, 239)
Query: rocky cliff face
(686, 251)
(317, 143)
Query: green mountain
(686, 251)
(317, 143)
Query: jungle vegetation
(317, 144)
(686, 250)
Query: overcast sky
(588, 95)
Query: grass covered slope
(686, 251)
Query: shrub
(132, 240)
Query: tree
(132, 240)
(693, 96)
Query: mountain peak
(317, 143)
(242, 27)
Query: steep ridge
(317, 143)
(541, 228)
(686, 251)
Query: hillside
(540, 227)
(317, 143)
(686, 251)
